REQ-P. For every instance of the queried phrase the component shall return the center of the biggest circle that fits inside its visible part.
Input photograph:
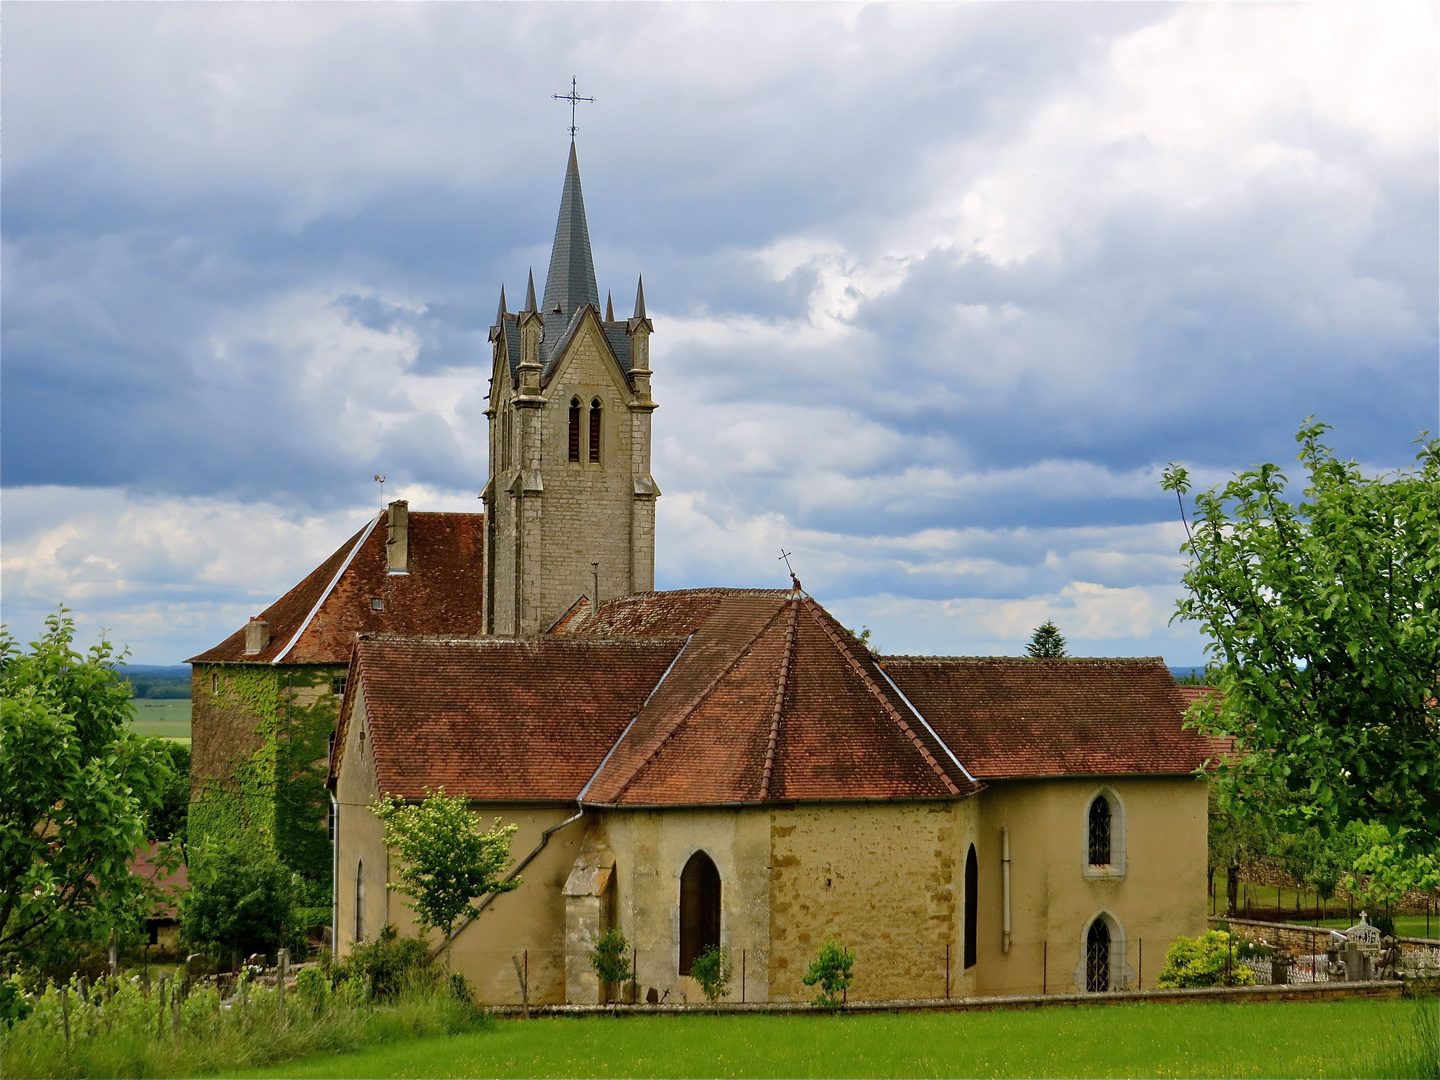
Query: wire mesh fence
(881, 971)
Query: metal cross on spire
(574, 98)
(785, 557)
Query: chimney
(397, 546)
(257, 636)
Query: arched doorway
(699, 909)
(972, 910)
(1097, 956)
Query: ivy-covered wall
(260, 736)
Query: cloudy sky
(938, 289)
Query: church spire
(640, 298)
(500, 315)
(529, 295)
(571, 280)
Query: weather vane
(574, 98)
(381, 481)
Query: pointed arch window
(699, 909)
(595, 432)
(972, 908)
(1097, 957)
(574, 429)
(360, 900)
(1099, 831)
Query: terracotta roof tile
(500, 718)
(1009, 717)
(441, 594)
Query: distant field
(165, 717)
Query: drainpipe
(334, 877)
(1004, 889)
(475, 914)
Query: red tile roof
(770, 699)
(1009, 717)
(498, 718)
(1220, 745)
(441, 594)
(172, 885)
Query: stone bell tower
(569, 503)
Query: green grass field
(1339, 1039)
(166, 717)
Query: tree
(76, 791)
(832, 971)
(611, 957)
(241, 900)
(1235, 839)
(445, 860)
(167, 821)
(711, 969)
(1323, 616)
(1046, 642)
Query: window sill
(1107, 872)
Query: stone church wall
(884, 879)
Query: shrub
(711, 970)
(611, 957)
(1204, 961)
(387, 965)
(313, 987)
(831, 971)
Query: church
(706, 768)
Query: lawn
(1340, 1039)
(166, 717)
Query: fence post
(1140, 978)
(1044, 967)
(947, 969)
(65, 1014)
(742, 976)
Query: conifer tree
(1046, 641)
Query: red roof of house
(1012, 717)
(1220, 745)
(736, 696)
(497, 718)
(172, 884)
(316, 621)
(770, 700)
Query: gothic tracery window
(574, 429)
(699, 909)
(360, 900)
(595, 432)
(1099, 831)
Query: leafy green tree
(167, 821)
(711, 969)
(76, 791)
(1323, 615)
(833, 972)
(1235, 839)
(611, 956)
(1046, 642)
(241, 900)
(446, 862)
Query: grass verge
(132, 1034)
(1331, 1039)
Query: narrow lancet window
(1097, 957)
(699, 909)
(360, 900)
(1100, 831)
(595, 432)
(574, 429)
(972, 908)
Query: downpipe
(1004, 889)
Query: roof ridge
(781, 682)
(885, 702)
(695, 703)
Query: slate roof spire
(571, 280)
(529, 296)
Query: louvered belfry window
(574, 429)
(595, 432)
(1100, 831)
